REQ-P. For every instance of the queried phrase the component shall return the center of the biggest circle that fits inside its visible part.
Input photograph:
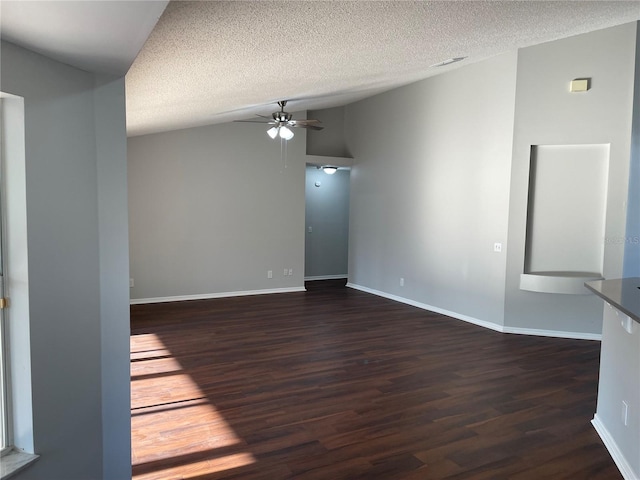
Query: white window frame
(6, 440)
(19, 453)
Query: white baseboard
(326, 277)
(206, 296)
(552, 333)
(477, 321)
(424, 306)
(621, 462)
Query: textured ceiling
(211, 62)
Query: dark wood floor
(338, 384)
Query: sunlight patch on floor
(147, 345)
(195, 436)
(200, 468)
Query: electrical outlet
(291, 271)
(625, 413)
(131, 283)
(401, 282)
(497, 247)
(286, 272)
(269, 273)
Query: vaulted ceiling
(98, 36)
(212, 61)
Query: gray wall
(111, 156)
(212, 209)
(329, 141)
(632, 235)
(548, 114)
(430, 189)
(434, 186)
(327, 214)
(76, 225)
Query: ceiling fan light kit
(285, 133)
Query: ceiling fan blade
(265, 116)
(312, 127)
(256, 121)
(305, 122)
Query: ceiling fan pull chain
(283, 152)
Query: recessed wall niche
(566, 215)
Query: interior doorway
(326, 223)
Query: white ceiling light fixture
(272, 132)
(281, 131)
(285, 133)
(329, 170)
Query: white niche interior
(566, 216)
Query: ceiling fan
(282, 123)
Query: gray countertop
(622, 293)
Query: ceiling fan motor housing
(281, 117)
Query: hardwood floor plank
(335, 384)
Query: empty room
(320, 240)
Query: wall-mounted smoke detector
(448, 61)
